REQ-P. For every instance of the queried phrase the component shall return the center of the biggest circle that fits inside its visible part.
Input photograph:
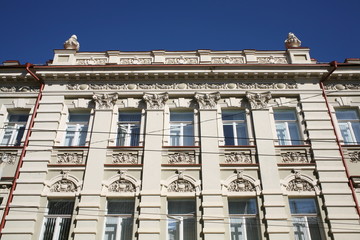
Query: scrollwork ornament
(258, 100)
(207, 100)
(241, 185)
(181, 185)
(299, 185)
(105, 101)
(155, 100)
(63, 185)
(181, 157)
(7, 158)
(237, 157)
(354, 156)
(72, 158)
(122, 185)
(125, 158)
(294, 157)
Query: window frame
(77, 135)
(289, 140)
(349, 125)
(234, 123)
(128, 135)
(181, 138)
(15, 130)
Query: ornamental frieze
(241, 185)
(181, 158)
(70, 158)
(122, 185)
(92, 61)
(181, 185)
(180, 86)
(135, 61)
(227, 60)
(125, 158)
(294, 157)
(181, 60)
(63, 185)
(272, 60)
(354, 156)
(237, 157)
(19, 89)
(7, 158)
(342, 86)
(299, 185)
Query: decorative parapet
(207, 100)
(92, 61)
(155, 100)
(181, 158)
(8, 158)
(181, 60)
(180, 86)
(135, 60)
(125, 158)
(70, 158)
(258, 100)
(272, 60)
(227, 60)
(238, 157)
(105, 100)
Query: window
(305, 219)
(287, 128)
(58, 220)
(119, 219)
(14, 129)
(349, 125)
(77, 128)
(129, 129)
(181, 128)
(244, 224)
(234, 125)
(181, 219)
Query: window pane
(49, 228)
(233, 115)
(229, 134)
(6, 141)
(64, 228)
(126, 228)
(242, 206)
(347, 114)
(121, 206)
(181, 116)
(299, 224)
(129, 116)
(237, 228)
(356, 129)
(173, 229)
(175, 131)
(60, 207)
(302, 206)
(110, 228)
(70, 135)
(188, 135)
(83, 129)
(284, 115)
(242, 138)
(74, 117)
(181, 207)
(189, 228)
(294, 133)
(252, 229)
(314, 228)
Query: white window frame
(235, 123)
(180, 218)
(348, 122)
(77, 131)
(181, 124)
(287, 140)
(14, 127)
(127, 125)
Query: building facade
(186, 145)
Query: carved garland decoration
(181, 157)
(181, 185)
(127, 158)
(241, 185)
(291, 157)
(70, 158)
(63, 185)
(272, 60)
(122, 185)
(237, 157)
(299, 185)
(18, 89)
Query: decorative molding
(63, 185)
(72, 43)
(105, 100)
(155, 100)
(70, 158)
(182, 157)
(227, 60)
(241, 185)
(122, 185)
(8, 158)
(354, 156)
(181, 60)
(299, 185)
(135, 60)
(258, 100)
(181, 185)
(292, 41)
(19, 89)
(92, 61)
(238, 157)
(272, 60)
(191, 86)
(125, 158)
(294, 157)
(352, 86)
(207, 100)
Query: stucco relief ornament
(181, 185)
(74, 158)
(292, 41)
(299, 185)
(7, 158)
(237, 157)
(125, 158)
(72, 43)
(354, 156)
(290, 157)
(241, 185)
(181, 158)
(105, 101)
(207, 100)
(63, 185)
(155, 100)
(122, 185)
(258, 100)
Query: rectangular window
(181, 219)
(244, 223)
(234, 125)
(77, 128)
(58, 220)
(14, 129)
(349, 125)
(181, 128)
(119, 219)
(305, 219)
(129, 129)
(287, 127)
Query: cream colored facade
(164, 88)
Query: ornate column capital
(258, 100)
(155, 100)
(105, 100)
(207, 100)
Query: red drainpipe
(23, 151)
(334, 66)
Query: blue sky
(30, 30)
